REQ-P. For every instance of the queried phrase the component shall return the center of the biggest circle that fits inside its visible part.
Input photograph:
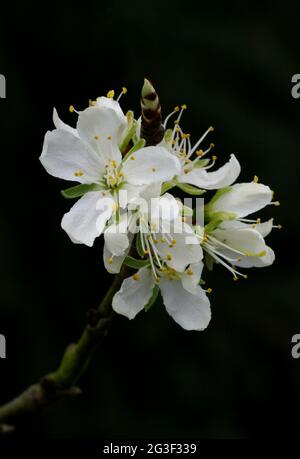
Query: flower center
(113, 177)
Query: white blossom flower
(172, 259)
(231, 239)
(184, 299)
(193, 167)
(162, 236)
(90, 155)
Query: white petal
(191, 278)
(243, 199)
(221, 178)
(264, 228)
(102, 129)
(257, 262)
(128, 194)
(81, 222)
(116, 238)
(246, 240)
(164, 208)
(114, 105)
(59, 124)
(184, 251)
(113, 263)
(151, 191)
(134, 294)
(190, 311)
(150, 164)
(65, 155)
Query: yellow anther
(155, 241)
(163, 240)
(92, 103)
(71, 109)
(176, 122)
(184, 107)
(235, 278)
(214, 158)
(136, 277)
(212, 145)
(185, 136)
(153, 169)
(211, 128)
(276, 203)
(255, 179)
(132, 158)
(199, 152)
(258, 221)
(176, 109)
(146, 252)
(279, 226)
(78, 173)
(169, 256)
(110, 260)
(113, 163)
(173, 241)
(109, 137)
(110, 94)
(103, 193)
(209, 290)
(120, 174)
(124, 90)
(96, 137)
(190, 272)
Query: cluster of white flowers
(123, 190)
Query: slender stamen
(124, 91)
(230, 268)
(176, 110)
(201, 139)
(151, 259)
(216, 241)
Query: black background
(232, 64)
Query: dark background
(232, 65)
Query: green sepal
(186, 211)
(217, 196)
(79, 190)
(216, 218)
(166, 187)
(209, 262)
(168, 135)
(138, 245)
(139, 144)
(152, 299)
(135, 263)
(190, 189)
(132, 125)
